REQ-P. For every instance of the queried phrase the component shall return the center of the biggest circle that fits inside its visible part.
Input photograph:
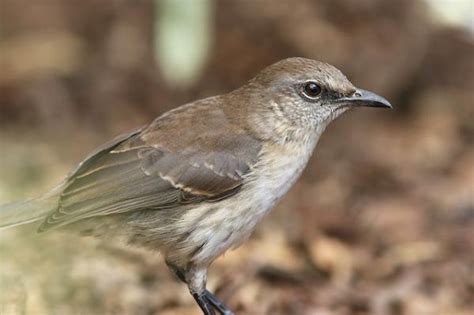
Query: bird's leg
(196, 278)
(221, 307)
(204, 304)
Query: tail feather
(27, 211)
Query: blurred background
(382, 220)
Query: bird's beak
(365, 98)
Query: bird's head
(307, 93)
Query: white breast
(236, 217)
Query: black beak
(366, 98)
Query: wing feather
(129, 176)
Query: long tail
(27, 211)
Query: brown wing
(133, 174)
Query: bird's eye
(311, 89)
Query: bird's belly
(231, 221)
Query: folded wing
(130, 174)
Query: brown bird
(196, 181)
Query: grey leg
(221, 307)
(204, 304)
(195, 278)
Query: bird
(195, 181)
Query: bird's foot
(209, 303)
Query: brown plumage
(196, 181)
(155, 168)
